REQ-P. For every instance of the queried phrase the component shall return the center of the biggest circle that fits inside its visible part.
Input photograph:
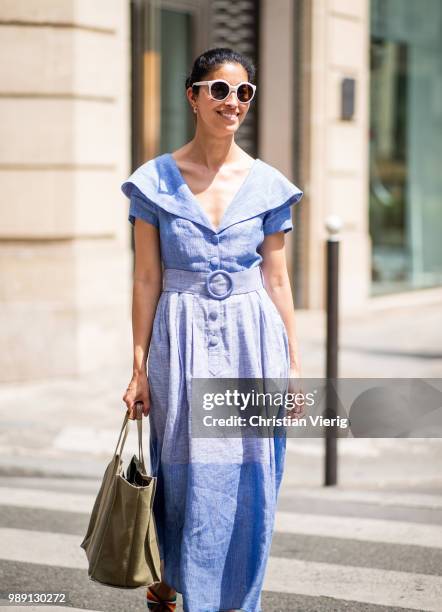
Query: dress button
(214, 262)
(213, 315)
(213, 340)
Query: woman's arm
(277, 284)
(147, 286)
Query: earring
(195, 110)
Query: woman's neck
(212, 151)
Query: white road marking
(382, 498)
(42, 547)
(363, 529)
(47, 500)
(344, 582)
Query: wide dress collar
(161, 181)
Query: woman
(204, 208)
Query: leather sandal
(154, 602)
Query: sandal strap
(153, 598)
(162, 606)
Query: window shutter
(235, 25)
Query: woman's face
(226, 116)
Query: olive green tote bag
(121, 540)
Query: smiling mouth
(228, 115)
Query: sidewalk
(70, 427)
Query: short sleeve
(279, 219)
(142, 208)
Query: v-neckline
(195, 200)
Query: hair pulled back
(213, 58)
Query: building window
(166, 35)
(405, 144)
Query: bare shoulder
(244, 156)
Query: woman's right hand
(137, 391)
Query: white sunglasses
(220, 90)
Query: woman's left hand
(295, 388)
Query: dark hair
(213, 58)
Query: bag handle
(139, 406)
(140, 444)
(125, 428)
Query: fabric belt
(218, 284)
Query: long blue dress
(216, 499)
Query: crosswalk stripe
(46, 500)
(82, 502)
(348, 583)
(73, 485)
(383, 498)
(29, 496)
(365, 529)
(54, 549)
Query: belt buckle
(209, 277)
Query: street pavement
(332, 549)
(373, 542)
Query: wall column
(276, 91)
(64, 236)
(338, 156)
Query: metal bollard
(333, 224)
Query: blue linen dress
(216, 498)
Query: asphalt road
(333, 548)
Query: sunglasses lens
(219, 90)
(245, 92)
